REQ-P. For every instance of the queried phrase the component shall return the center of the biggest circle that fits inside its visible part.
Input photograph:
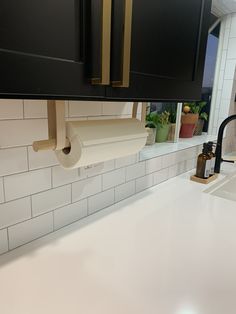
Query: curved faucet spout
(219, 142)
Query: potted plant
(200, 124)
(189, 118)
(151, 128)
(163, 126)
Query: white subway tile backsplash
(230, 69)
(29, 230)
(227, 89)
(190, 164)
(228, 21)
(117, 108)
(61, 176)
(14, 212)
(22, 132)
(41, 159)
(144, 183)
(180, 156)
(221, 79)
(218, 99)
(169, 160)
(173, 171)
(113, 178)
(84, 108)
(124, 191)
(224, 108)
(77, 119)
(135, 171)
(231, 48)
(52, 199)
(69, 214)
(100, 168)
(85, 188)
(1, 191)
(226, 39)
(160, 176)
(35, 109)
(214, 131)
(3, 241)
(102, 117)
(233, 26)
(11, 109)
(190, 153)
(13, 160)
(153, 165)
(126, 161)
(216, 118)
(100, 201)
(223, 59)
(182, 167)
(27, 183)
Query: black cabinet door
(45, 49)
(167, 49)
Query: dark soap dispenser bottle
(204, 163)
(213, 157)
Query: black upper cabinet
(167, 49)
(54, 48)
(45, 49)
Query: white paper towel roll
(101, 140)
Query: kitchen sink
(225, 188)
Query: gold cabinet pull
(105, 44)
(126, 46)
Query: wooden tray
(204, 181)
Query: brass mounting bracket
(56, 128)
(143, 112)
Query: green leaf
(204, 116)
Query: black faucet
(219, 143)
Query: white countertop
(168, 250)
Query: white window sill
(160, 149)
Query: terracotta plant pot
(189, 122)
(189, 118)
(171, 135)
(151, 136)
(162, 133)
(187, 130)
(199, 127)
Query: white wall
(224, 91)
(229, 143)
(37, 196)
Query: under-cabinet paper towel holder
(57, 126)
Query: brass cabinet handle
(126, 46)
(105, 44)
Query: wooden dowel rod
(47, 145)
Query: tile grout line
(23, 102)
(4, 191)
(27, 157)
(8, 241)
(31, 206)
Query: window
(174, 110)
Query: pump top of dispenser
(210, 146)
(205, 148)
